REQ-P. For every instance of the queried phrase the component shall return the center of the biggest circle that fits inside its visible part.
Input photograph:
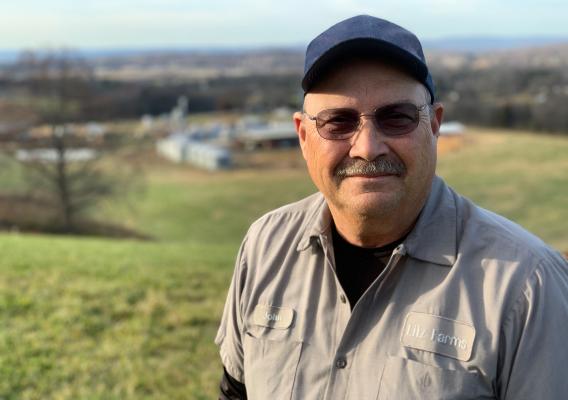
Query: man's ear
(436, 119)
(300, 130)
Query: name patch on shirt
(273, 317)
(438, 335)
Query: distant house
(181, 148)
(94, 130)
(271, 135)
(52, 156)
(451, 128)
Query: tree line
(522, 97)
(532, 98)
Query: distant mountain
(11, 55)
(469, 44)
(481, 44)
(204, 63)
(199, 64)
(8, 56)
(536, 56)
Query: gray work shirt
(470, 306)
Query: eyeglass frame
(370, 115)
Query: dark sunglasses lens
(397, 119)
(337, 124)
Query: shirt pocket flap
(405, 379)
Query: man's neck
(373, 232)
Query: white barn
(182, 149)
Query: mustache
(379, 166)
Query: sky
(225, 23)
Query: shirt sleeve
(533, 350)
(230, 330)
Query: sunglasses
(392, 120)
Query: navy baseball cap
(365, 36)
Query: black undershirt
(356, 268)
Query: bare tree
(64, 167)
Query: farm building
(452, 128)
(271, 135)
(182, 148)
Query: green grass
(89, 318)
(97, 319)
(215, 208)
(519, 175)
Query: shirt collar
(318, 222)
(433, 238)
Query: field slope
(91, 318)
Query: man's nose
(368, 143)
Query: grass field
(90, 318)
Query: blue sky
(196, 23)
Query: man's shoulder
(498, 233)
(290, 218)
(307, 205)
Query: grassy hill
(519, 175)
(91, 318)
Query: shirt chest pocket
(405, 379)
(271, 359)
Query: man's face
(364, 86)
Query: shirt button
(342, 298)
(341, 363)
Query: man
(387, 284)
